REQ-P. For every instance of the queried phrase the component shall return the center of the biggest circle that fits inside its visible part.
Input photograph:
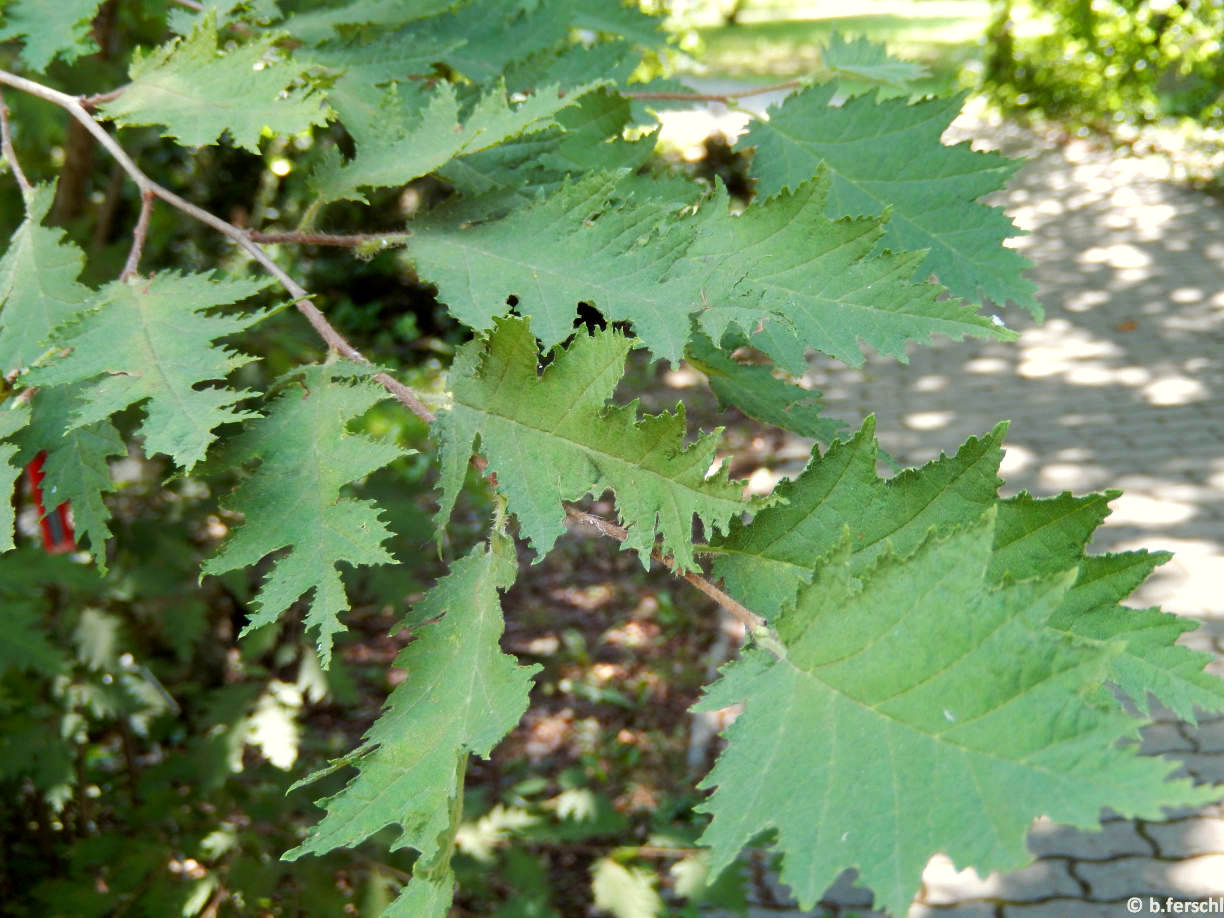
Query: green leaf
(954, 751)
(12, 420)
(783, 272)
(1035, 533)
(197, 94)
(77, 467)
(754, 390)
(764, 564)
(792, 279)
(887, 157)
(460, 697)
(150, 341)
(1152, 664)
(863, 59)
(587, 243)
(319, 25)
(183, 21)
(399, 140)
(50, 30)
(26, 645)
(38, 284)
(307, 454)
(553, 438)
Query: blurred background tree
(1102, 63)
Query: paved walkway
(1121, 386)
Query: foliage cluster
(269, 539)
(1108, 62)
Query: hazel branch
(335, 341)
(6, 145)
(742, 613)
(346, 240)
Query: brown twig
(335, 341)
(99, 98)
(191, 5)
(138, 236)
(6, 144)
(742, 613)
(350, 240)
(725, 97)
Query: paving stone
(1165, 737)
(1065, 908)
(1118, 836)
(1132, 876)
(1188, 837)
(1209, 736)
(959, 910)
(945, 885)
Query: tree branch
(742, 613)
(6, 145)
(138, 236)
(335, 341)
(350, 240)
(725, 97)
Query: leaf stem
(6, 144)
(139, 234)
(335, 341)
(742, 613)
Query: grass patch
(776, 40)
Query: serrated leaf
(766, 563)
(197, 94)
(887, 156)
(149, 340)
(461, 693)
(1036, 535)
(794, 279)
(1152, 664)
(783, 272)
(585, 245)
(553, 438)
(293, 499)
(864, 59)
(954, 751)
(50, 30)
(754, 390)
(12, 420)
(77, 465)
(38, 284)
(399, 142)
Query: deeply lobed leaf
(198, 94)
(39, 290)
(50, 31)
(912, 707)
(150, 340)
(553, 437)
(307, 454)
(886, 156)
(460, 697)
(783, 272)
